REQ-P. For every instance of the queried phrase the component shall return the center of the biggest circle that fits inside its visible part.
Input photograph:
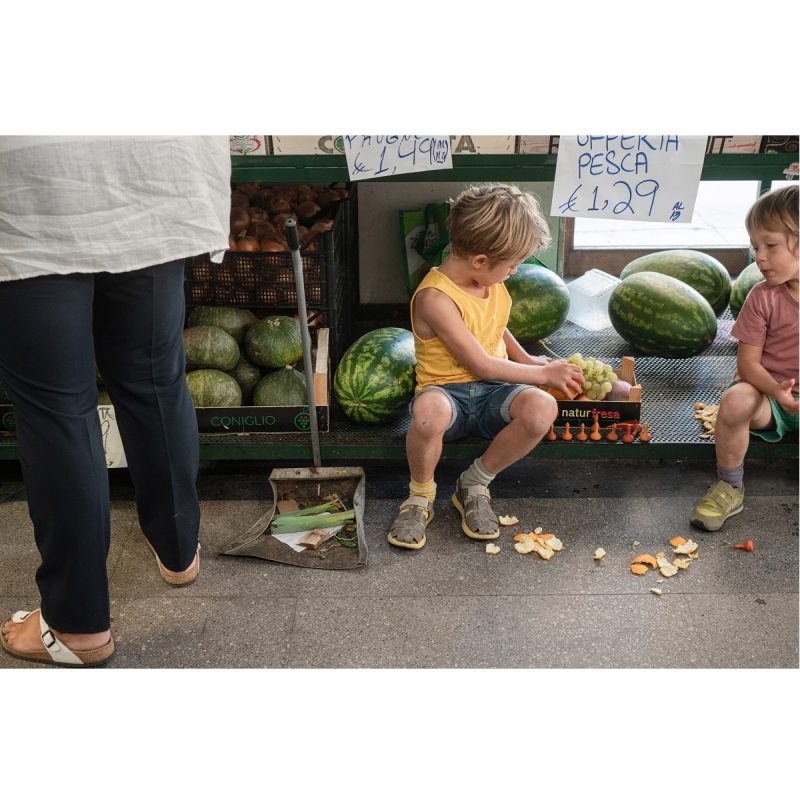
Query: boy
(473, 377)
(763, 398)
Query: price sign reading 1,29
(639, 177)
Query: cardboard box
(482, 145)
(733, 144)
(543, 145)
(276, 419)
(328, 145)
(606, 411)
(249, 145)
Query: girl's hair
(776, 211)
(499, 221)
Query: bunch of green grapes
(598, 376)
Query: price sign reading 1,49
(639, 177)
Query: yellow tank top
(486, 318)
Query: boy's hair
(498, 221)
(776, 211)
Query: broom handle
(297, 264)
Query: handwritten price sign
(641, 177)
(380, 156)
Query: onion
(262, 230)
(238, 199)
(232, 243)
(280, 220)
(273, 246)
(307, 210)
(326, 197)
(280, 205)
(258, 214)
(240, 220)
(247, 244)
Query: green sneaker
(717, 504)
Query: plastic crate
(264, 282)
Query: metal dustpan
(309, 486)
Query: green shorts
(785, 422)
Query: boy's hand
(786, 400)
(567, 378)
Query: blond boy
(473, 377)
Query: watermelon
(274, 342)
(661, 315)
(376, 376)
(211, 388)
(702, 272)
(208, 347)
(234, 321)
(283, 387)
(247, 375)
(540, 303)
(745, 281)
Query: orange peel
(676, 541)
(645, 559)
(639, 569)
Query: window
(717, 227)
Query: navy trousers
(53, 330)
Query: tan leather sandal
(478, 520)
(408, 528)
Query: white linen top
(110, 203)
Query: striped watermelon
(540, 303)
(376, 376)
(661, 315)
(702, 272)
(745, 281)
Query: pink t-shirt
(769, 319)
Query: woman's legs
(47, 363)
(138, 331)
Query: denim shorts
(480, 408)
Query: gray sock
(476, 474)
(732, 475)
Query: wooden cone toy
(747, 546)
(628, 436)
(581, 435)
(551, 434)
(595, 434)
(566, 436)
(612, 434)
(644, 436)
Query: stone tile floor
(451, 605)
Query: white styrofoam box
(588, 299)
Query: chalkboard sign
(381, 156)
(642, 177)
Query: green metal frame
(764, 167)
(476, 168)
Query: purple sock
(732, 475)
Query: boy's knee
(739, 402)
(538, 410)
(431, 413)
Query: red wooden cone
(747, 546)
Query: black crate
(264, 282)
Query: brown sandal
(408, 529)
(478, 521)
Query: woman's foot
(26, 636)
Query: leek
(294, 523)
